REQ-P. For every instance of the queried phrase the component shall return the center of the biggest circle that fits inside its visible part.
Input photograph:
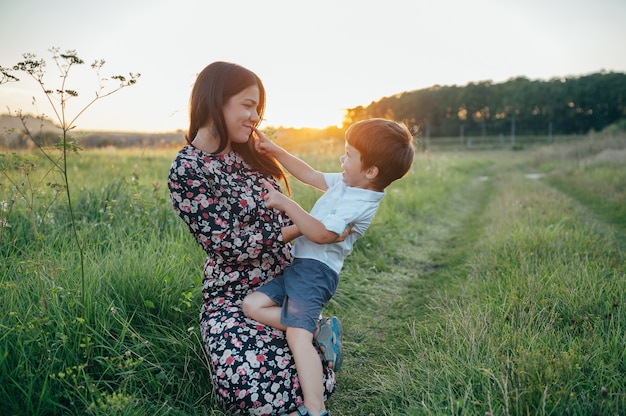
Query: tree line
(519, 106)
(574, 105)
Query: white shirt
(339, 206)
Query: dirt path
(424, 267)
(435, 261)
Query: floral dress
(219, 198)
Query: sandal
(329, 340)
(302, 411)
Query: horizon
(343, 55)
(264, 125)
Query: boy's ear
(371, 172)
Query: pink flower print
(228, 359)
(220, 222)
(242, 370)
(283, 362)
(255, 277)
(254, 360)
(202, 200)
(247, 201)
(265, 410)
(253, 251)
(185, 205)
(236, 342)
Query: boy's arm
(295, 166)
(308, 225)
(290, 232)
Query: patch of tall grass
(142, 353)
(397, 269)
(536, 326)
(476, 290)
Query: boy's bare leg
(260, 307)
(309, 368)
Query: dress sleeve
(230, 218)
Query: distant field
(491, 282)
(304, 140)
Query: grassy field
(491, 282)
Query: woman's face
(241, 115)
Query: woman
(215, 187)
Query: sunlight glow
(319, 73)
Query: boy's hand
(273, 198)
(264, 145)
(345, 233)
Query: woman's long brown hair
(214, 86)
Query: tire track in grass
(601, 209)
(436, 262)
(529, 208)
(558, 271)
(430, 263)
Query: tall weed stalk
(57, 152)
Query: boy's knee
(298, 336)
(248, 306)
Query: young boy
(377, 152)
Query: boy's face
(353, 173)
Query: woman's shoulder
(203, 159)
(186, 152)
(227, 167)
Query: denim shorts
(302, 290)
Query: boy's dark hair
(386, 144)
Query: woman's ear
(371, 172)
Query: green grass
(475, 290)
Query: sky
(316, 58)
